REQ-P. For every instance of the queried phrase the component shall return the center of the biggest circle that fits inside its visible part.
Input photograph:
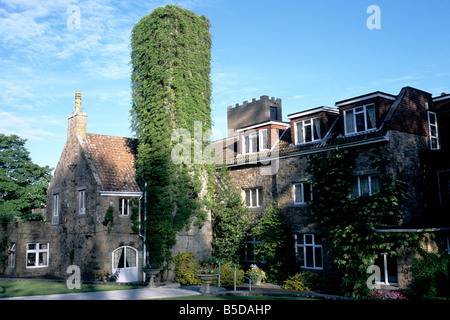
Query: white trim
(362, 98)
(444, 97)
(274, 122)
(37, 251)
(311, 124)
(121, 193)
(364, 112)
(302, 192)
(431, 137)
(312, 111)
(313, 245)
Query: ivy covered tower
(171, 91)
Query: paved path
(133, 294)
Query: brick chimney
(77, 120)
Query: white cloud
(26, 127)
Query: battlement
(262, 99)
(251, 113)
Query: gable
(114, 160)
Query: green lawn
(237, 297)
(13, 288)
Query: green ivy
(171, 89)
(349, 224)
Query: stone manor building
(94, 205)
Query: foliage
(171, 53)
(431, 275)
(276, 244)
(305, 281)
(227, 275)
(349, 223)
(23, 184)
(386, 295)
(208, 267)
(256, 274)
(186, 265)
(231, 221)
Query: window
(366, 185)
(37, 255)
(433, 131)
(82, 202)
(273, 113)
(388, 269)
(253, 197)
(250, 250)
(302, 192)
(124, 207)
(12, 252)
(359, 119)
(307, 130)
(55, 217)
(308, 250)
(255, 142)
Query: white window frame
(366, 119)
(384, 270)
(434, 125)
(370, 184)
(55, 217)
(305, 123)
(302, 186)
(12, 252)
(82, 201)
(259, 197)
(249, 138)
(37, 251)
(303, 247)
(124, 207)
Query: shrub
(227, 275)
(431, 276)
(386, 295)
(305, 281)
(186, 265)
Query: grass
(238, 297)
(15, 288)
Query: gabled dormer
(260, 137)
(364, 113)
(311, 125)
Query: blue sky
(308, 53)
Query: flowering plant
(208, 267)
(386, 295)
(256, 274)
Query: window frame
(304, 248)
(366, 116)
(37, 251)
(302, 185)
(249, 139)
(82, 201)
(303, 124)
(253, 242)
(369, 183)
(259, 197)
(124, 205)
(55, 209)
(434, 125)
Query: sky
(307, 53)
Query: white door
(125, 262)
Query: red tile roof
(114, 159)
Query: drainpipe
(143, 236)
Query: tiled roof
(114, 159)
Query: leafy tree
(171, 89)
(349, 223)
(23, 184)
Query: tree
(171, 90)
(23, 184)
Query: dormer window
(359, 119)
(255, 141)
(307, 130)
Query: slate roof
(114, 160)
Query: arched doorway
(125, 262)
